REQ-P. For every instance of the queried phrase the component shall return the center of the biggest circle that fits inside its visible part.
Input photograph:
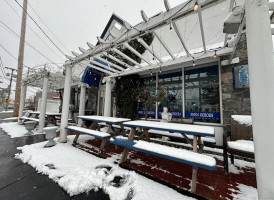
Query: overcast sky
(73, 23)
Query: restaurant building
(207, 81)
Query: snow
(245, 192)
(172, 127)
(175, 152)
(14, 129)
(179, 135)
(29, 118)
(243, 119)
(104, 119)
(243, 145)
(89, 131)
(77, 171)
(9, 111)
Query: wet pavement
(21, 181)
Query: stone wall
(236, 101)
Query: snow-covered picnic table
(94, 128)
(51, 118)
(187, 157)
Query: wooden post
(194, 169)
(20, 59)
(12, 70)
(126, 150)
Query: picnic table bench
(94, 128)
(182, 156)
(238, 141)
(34, 116)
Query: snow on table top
(243, 145)
(29, 118)
(243, 119)
(174, 127)
(104, 119)
(89, 131)
(51, 128)
(55, 114)
(34, 112)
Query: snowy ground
(77, 171)
(15, 130)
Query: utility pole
(20, 59)
(11, 76)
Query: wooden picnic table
(51, 118)
(185, 129)
(94, 128)
(110, 121)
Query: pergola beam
(83, 50)
(237, 39)
(154, 23)
(110, 63)
(201, 27)
(103, 66)
(150, 50)
(168, 8)
(145, 18)
(91, 46)
(88, 64)
(74, 53)
(186, 60)
(117, 60)
(136, 53)
(126, 57)
(230, 10)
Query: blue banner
(203, 115)
(152, 113)
(179, 114)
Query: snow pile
(243, 145)
(243, 119)
(246, 192)
(77, 171)
(14, 129)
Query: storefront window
(202, 99)
(146, 99)
(171, 83)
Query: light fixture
(196, 6)
(151, 72)
(215, 55)
(139, 39)
(160, 70)
(153, 57)
(170, 27)
(193, 62)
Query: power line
(40, 28)
(26, 41)
(47, 27)
(33, 31)
(8, 52)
